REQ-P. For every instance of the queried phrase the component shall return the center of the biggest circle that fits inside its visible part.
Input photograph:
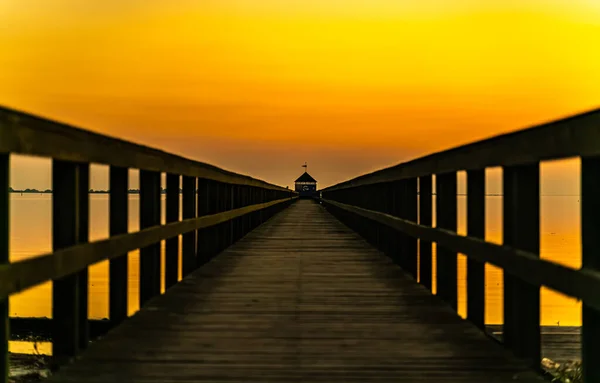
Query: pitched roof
(305, 178)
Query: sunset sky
(260, 86)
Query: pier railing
(393, 209)
(218, 207)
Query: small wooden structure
(306, 186)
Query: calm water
(31, 236)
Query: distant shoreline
(164, 191)
(34, 191)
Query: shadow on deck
(301, 298)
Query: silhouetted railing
(384, 206)
(218, 208)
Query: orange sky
(260, 86)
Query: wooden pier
(300, 299)
(277, 289)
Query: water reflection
(31, 236)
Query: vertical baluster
(395, 211)
(508, 196)
(447, 287)
(410, 213)
(220, 198)
(231, 197)
(214, 232)
(65, 231)
(390, 234)
(149, 216)
(233, 224)
(83, 227)
(425, 219)
(402, 210)
(590, 232)
(244, 218)
(188, 259)
(476, 229)
(172, 244)
(4, 259)
(377, 199)
(522, 231)
(203, 209)
(118, 220)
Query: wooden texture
(446, 259)
(83, 236)
(188, 206)
(149, 217)
(573, 136)
(118, 268)
(65, 233)
(522, 231)
(525, 265)
(4, 258)
(172, 244)
(18, 276)
(476, 229)
(300, 299)
(23, 133)
(590, 232)
(425, 219)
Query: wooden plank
(476, 229)
(567, 137)
(83, 236)
(172, 244)
(21, 275)
(522, 264)
(268, 310)
(188, 255)
(446, 218)
(65, 290)
(22, 133)
(118, 221)
(425, 219)
(525, 226)
(590, 233)
(4, 259)
(150, 254)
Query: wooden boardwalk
(300, 299)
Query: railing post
(203, 249)
(221, 198)
(214, 209)
(83, 227)
(118, 220)
(149, 216)
(395, 202)
(590, 233)
(4, 259)
(447, 285)
(425, 219)
(172, 244)
(188, 258)
(522, 231)
(410, 213)
(234, 224)
(229, 203)
(65, 232)
(476, 229)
